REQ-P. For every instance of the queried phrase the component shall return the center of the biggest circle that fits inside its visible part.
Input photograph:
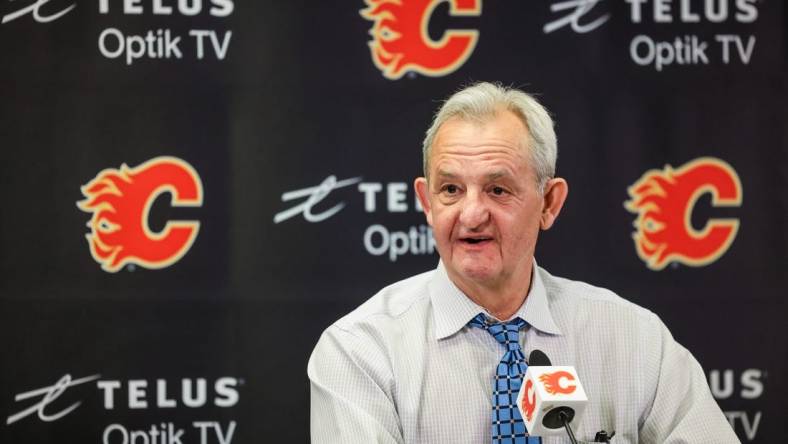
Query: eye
(498, 191)
(450, 189)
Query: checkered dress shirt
(405, 367)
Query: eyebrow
(495, 175)
(498, 174)
(446, 174)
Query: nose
(474, 213)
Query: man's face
(482, 201)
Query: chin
(476, 273)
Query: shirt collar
(536, 309)
(452, 309)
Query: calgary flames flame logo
(120, 201)
(664, 201)
(552, 382)
(401, 41)
(529, 400)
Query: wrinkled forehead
(495, 147)
(503, 128)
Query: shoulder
(577, 304)
(571, 292)
(401, 306)
(393, 302)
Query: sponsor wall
(193, 190)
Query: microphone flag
(546, 392)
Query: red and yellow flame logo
(529, 400)
(120, 200)
(401, 41)
(664, 201)
(552, 382)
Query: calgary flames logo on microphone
(120, 201)
(552, 382)
(529, 400)
(664, 201)
(401, 41)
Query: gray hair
(482, 101)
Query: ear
(555, 194)
(423, 193)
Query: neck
(500, 299)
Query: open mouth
(475, 240)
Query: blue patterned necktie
(507, 424)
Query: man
(425, 359)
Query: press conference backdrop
(193, 190)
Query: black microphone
(537, 358)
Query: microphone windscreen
(537, 358)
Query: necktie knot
(506, 333)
